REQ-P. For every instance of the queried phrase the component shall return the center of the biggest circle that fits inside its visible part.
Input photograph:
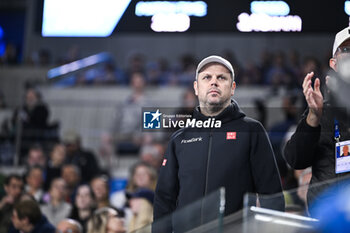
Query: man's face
(214, 86)
(35, 178)
(339, 55)
(36, 157)
(14, 188)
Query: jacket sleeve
(167, 190)
(300, 148)
(265, 171)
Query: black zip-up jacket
(200, 161)
(315, 147)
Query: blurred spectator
(188, 102)
(84, 205)
(10, 56)
(72, 175)
(128, 126)
(231, 57)
(109, 74)
(27, 218)
(69, 225)
(152, 154)
(106, 150)
(80, 157)
(35, 181)
(41, 58)
(266, 58)
(141, 204)
(32, 119)
(278, 131)
(251, 75)
(57, 208)
(188, 68)
(142, 175)
(100, 188)
(115, 225)
(13, 186)
(310, 64)
(73, 54)
(294, 64)
(55, 163)
(34, 113)
(36, 156)
(154, 74)
(278, 74)
(136, 64)
(105, 220)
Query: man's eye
(206, 77)
(222, 77)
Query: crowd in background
(65, 180)
(273, 68)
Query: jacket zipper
(208, 159)
(206, 175)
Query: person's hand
(6, 200)
(314, 100)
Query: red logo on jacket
(230, 135)
(164, 162)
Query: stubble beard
(214, 108)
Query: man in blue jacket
(237, 155)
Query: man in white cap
(322, 131)
(237, 155)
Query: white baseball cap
(215, 59)
(341, 36)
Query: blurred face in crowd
(35, 178)
(100, 189)
(142, 177)
(14, 188)
(214, 87)
(58, 155)
(115, 225)
(83, 199)
(137, 81)
(70, 175)
(36, 157)
(19, 224)
(58, 190)
(67, 226)
(31, 98)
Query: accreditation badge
(342, 157)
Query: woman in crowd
(142, 175)
(84, 205)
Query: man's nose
(214, 81)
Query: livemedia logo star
(151, 120)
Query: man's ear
(333, 63)
(195, 87)
(233, 88)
